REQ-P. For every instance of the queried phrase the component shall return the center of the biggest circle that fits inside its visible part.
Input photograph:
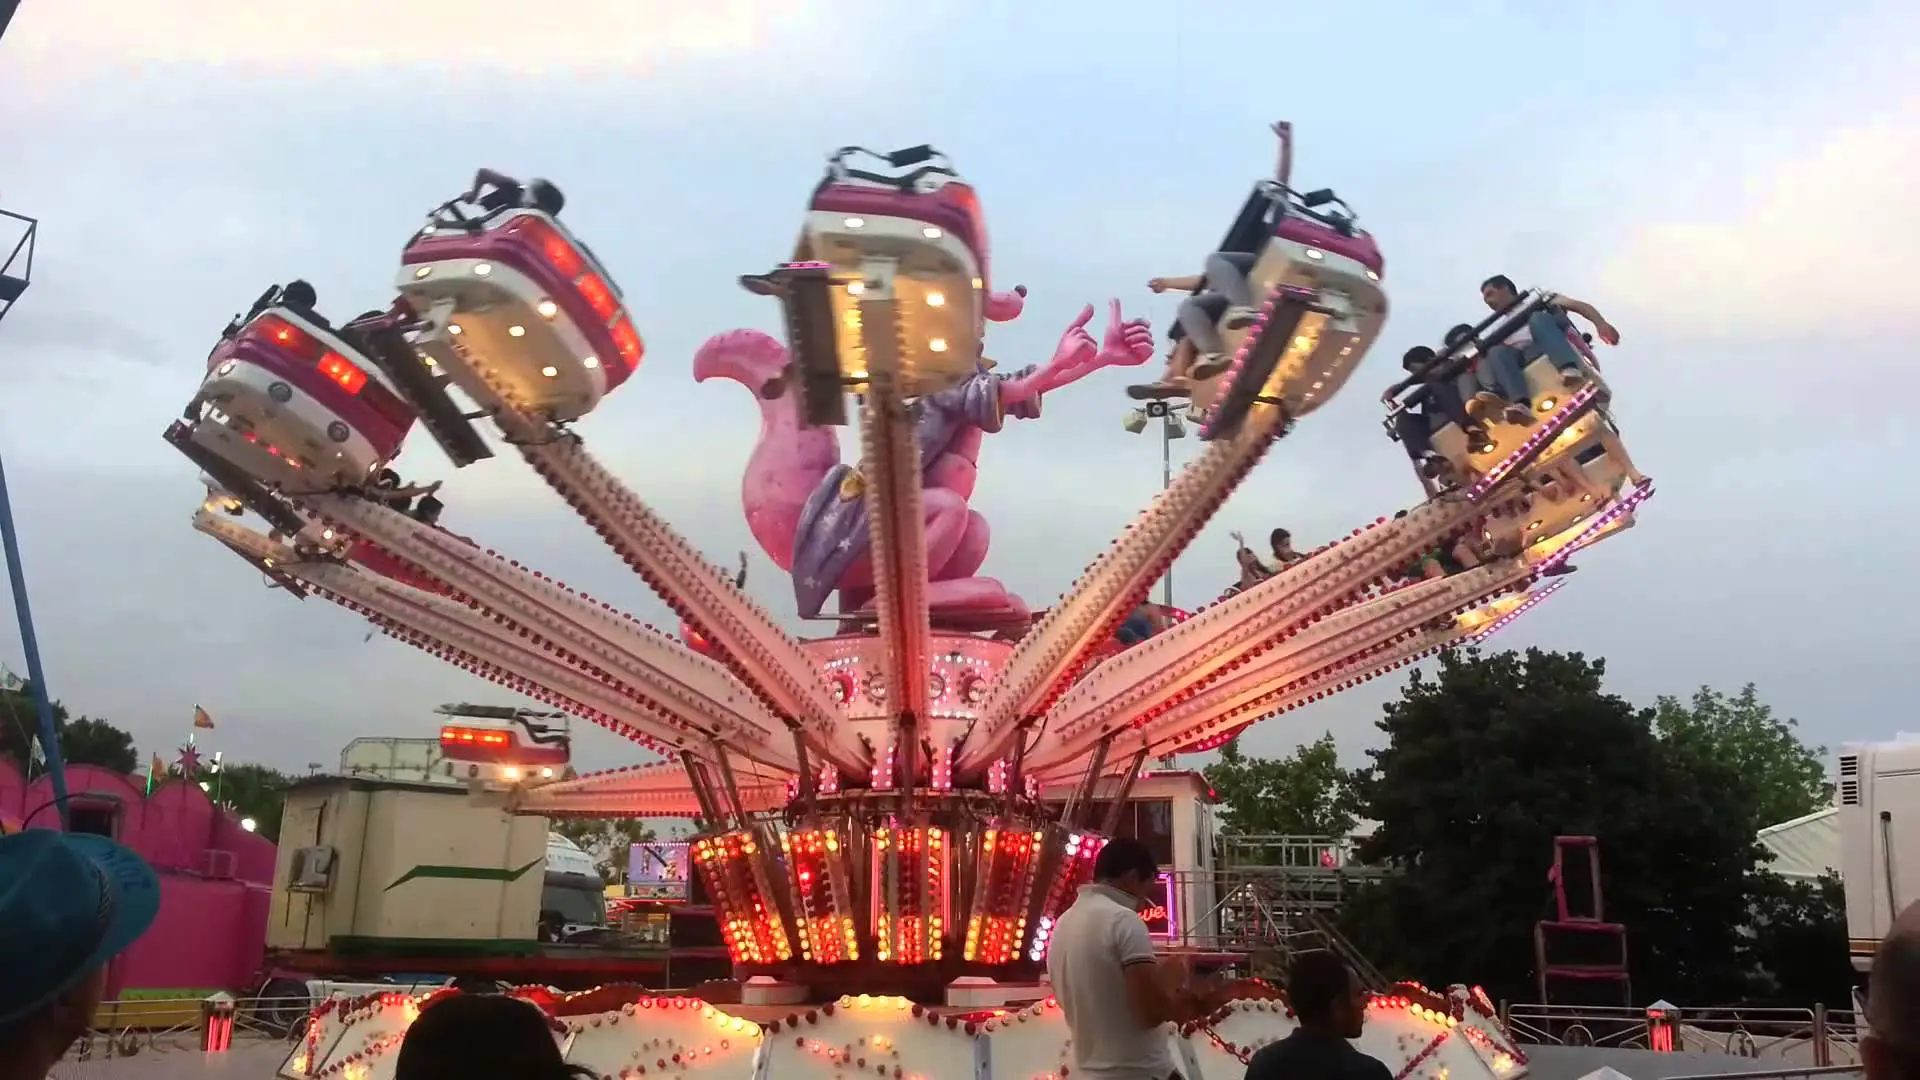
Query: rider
(1439, 402)
(1222, 296)
(1546, 332)
(1497, 380)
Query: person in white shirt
(1116, 995)
(1547, 332)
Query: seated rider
(1222, 297)
(1255, 568)
(495, 191)
(1547, 330)
(1438, 401)
(1496, 380)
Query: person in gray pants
(1222, 297)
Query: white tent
(1806, 847)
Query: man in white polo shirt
(1116, 995)
(1546, 332)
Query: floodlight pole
(1170, 429)
(16, 272)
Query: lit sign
(1162, 907)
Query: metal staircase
(1278, 895)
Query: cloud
(486, 35)
(1826, 239)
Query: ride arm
(1185, 283)
(1147, 678)
(697, 694)
(1338, 648)
(454, 632)
(745, 638)
(658, 790)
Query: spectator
(69, 904)
(483, 1037)
(1114, 992)
(1891, 1048)
(1331, 1007)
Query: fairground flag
(36, 754)
(155, 770)
(201, 719)
(9, 681)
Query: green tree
(83, 741)
(1489, 761)
(1789, 777)
(607, 840)
(1306, 793)
(253, 791)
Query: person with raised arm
(1548, 331)
(1221, 296)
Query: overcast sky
(1730, 183)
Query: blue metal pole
(36, 676)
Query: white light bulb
(482, 269)
(516, 331)
(547, 309)
(935, 299)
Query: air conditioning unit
(216, 864)
(312, 869)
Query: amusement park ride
(870, 799)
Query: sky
(1730, 184)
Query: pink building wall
(215, 877)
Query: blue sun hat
(69, 903)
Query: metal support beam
(16, 273)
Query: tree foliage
(1788, 777)
(607, 840)
(253, 791)
(83, 741)
(1491, 760)
(1797, 951)
(1306, 793)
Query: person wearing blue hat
(69, 904)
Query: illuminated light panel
(1077, 852)
(821, 885)
(1002, 894)
(750, 923)
(914, 931)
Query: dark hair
(480, 1037)
(1278, 537)
(1418, 356)
(1317, 980)
(1458, 334)
(1501, 281)
(1121, 856)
